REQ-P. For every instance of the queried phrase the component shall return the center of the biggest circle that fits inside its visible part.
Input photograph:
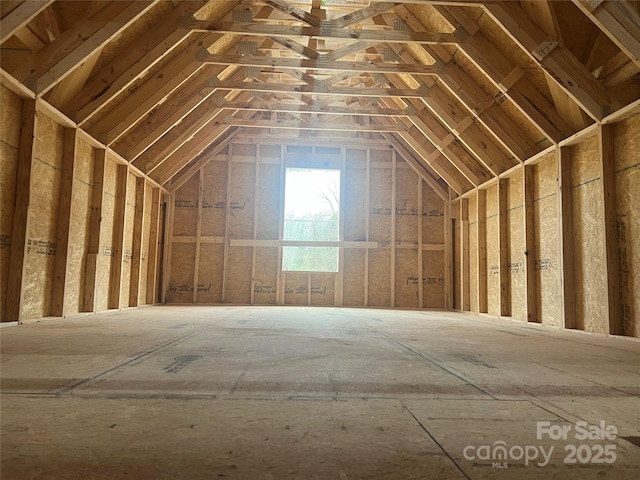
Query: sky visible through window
(312, 214)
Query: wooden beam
(141, 55)
(448, 257)
(196, 269)
(138, 242)
(20, 16)
(465, 290)
(619, 20)
(265, 106)
(362, 14)
(119, 222)
(610, 228)
(482, 250)
(65, 206)
(561, 64)
(295, 12)
(565, 224)
(325, 32)
(154, 248)
(21, 213)
(503, 222)
(319, 64)
(531, 258)
(95, 231)
(61, 57)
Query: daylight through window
(311, 214)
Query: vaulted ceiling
(464, 89)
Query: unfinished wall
(516, 245)
(626, 145)
(384, 207)
(493, 252)
(10, 115)
(473, 254)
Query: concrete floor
(311, 393)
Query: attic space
(429, 204)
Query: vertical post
(394, 176)
(339, 295)
(280, 276)
(465, 289)
(482, 250)
(610, 228)
(65, 204)
(448, 255)
(154, 236)
(20, 229)
(225, 262)
(367, 221)
(138, 239)
(420, 240)
(95, 229)
(530, 245)
(169, 201)
(565, 224)
(119, 221)
(254, 249)
(503, 227)
(196, 266)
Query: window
(311, 214)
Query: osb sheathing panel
(296, 286)
(79, 227)
(354, 203)
(545, 213)
(380, 277)
(627, 145)
(353, 285)
(323, 286)
(407, 279)
(473, 266)
(106, 235)
(183, 257)
(146, 232)
(125, 281)
(265, 276)
(457, 262)
(186, 208)
(589, 271)
(43, 218)
(210, 273)
(268, 218)
(241, 202)
(516, 247)
(380, 205)
(238, 282)
(10, 117)
(432, 216)
(214, 199)
(406, 204)
(493, 254)
(433, 279)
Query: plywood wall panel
(43, 218)
(516, 242)
(354, 203)
(106, 235)
(380, 277)
(433, 279)
(545, 212)
(407, 279)
(323, 286)
(238, 281)
(210, 273)
(79, 226)
(130, 210)
(214, 199)
(265, 285)
(627, 155)
(589, 268)
(456, 262)
(432, 216)
(186, 208)
(406, 204)
(268, 217)
(473, 253)
(354, 277)
(146, 231)
(296, 286)
(241, 202)
(183, 257)
(380, 205)
(493, 254)
(10, 117)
